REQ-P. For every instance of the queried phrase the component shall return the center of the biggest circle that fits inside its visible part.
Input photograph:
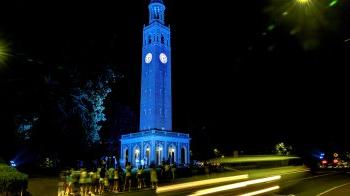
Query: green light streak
(333, 3)
(258, 158)
(271, 27)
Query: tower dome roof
(157, 1)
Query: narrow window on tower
(158, 13)
(155, 13)
(149, 39)
(162, 39)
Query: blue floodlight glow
(321, 155)
(13, 164)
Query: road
(301, 183)
(326, 184)
(288, 181)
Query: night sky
(242, 74)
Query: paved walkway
(43, 186)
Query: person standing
(154, 177)
(111, 178)
(116, 180)
(139, 177)
(173, 169)
(127, 176)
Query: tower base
(154, 147)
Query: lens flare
(4, 53)
(303, 1)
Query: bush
(12, 181)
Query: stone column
(178, 153)
(153, 152)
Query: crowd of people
(113, 179)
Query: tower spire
(156, 11)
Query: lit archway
(159, 154)
(147, 155)
(126, 155)
(183, 155)
(136, 156)
(171, 153)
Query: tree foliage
(88, 102)
(283, 149)
(11, 180)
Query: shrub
(12, 181)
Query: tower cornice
(156, 1)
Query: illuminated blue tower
(155, 142)
(155, 108)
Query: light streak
(235, 186)
(200, 183)
(261, 191)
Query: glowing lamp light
(303, 1)
(137, 151)
(4, 52)
(335, 161)
(324, 162)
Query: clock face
(148, 57)
(163, 58)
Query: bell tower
(155, 141)
(155, 106)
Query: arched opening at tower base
(126, 156)
(183, 155)
(147, 155)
